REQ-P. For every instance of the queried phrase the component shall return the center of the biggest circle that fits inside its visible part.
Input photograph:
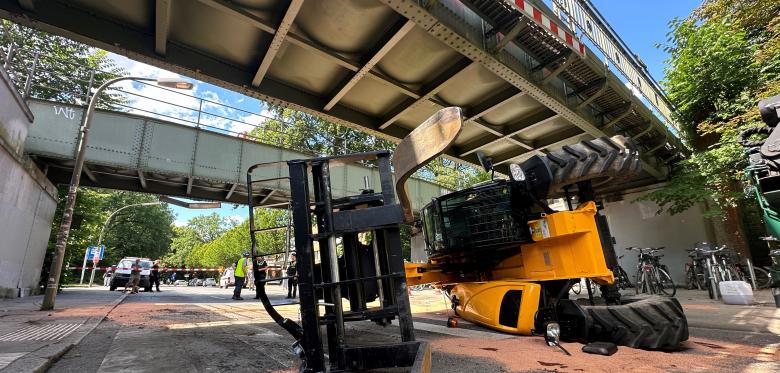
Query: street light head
(177, 83)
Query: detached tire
(600, 160)
(647, 322)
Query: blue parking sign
(94, 251)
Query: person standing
(107, 278)
(135, 277)
(240, 274)
(292, 282)
(260, 275)
(154, 276)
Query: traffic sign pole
(84, 266)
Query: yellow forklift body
(506, 306)
(566, 246)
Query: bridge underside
(378, 66)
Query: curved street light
(67, 215)
(100, 238)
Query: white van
(122, 273)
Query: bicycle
(652, 277)
(715, 267)
(621, 277)
(695, 273)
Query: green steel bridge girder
(138, 153)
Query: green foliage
(143, 231)
(63, 68)
(229, 246)
(722, 60)
(701, 78)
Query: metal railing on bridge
(40, 76)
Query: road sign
(96, 251)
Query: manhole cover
(48, 332)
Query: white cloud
(183, 107)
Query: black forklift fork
(362, 274)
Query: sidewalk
(30, 339)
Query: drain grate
(49, 332)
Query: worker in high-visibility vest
(240, 274)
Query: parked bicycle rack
(363, 273)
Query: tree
(228, 247)
(208, 227)
(143, 231)
(64, 67)
(722, 60)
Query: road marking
(49, 332)
(8, 358)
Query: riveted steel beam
(602, 87)
(267, 197)
(526, 124)
(189, 185)
(521, 25)
(619, 114)
(231, 191)
(142, 179)
(162, 25)
(492, 103)
(276, 41)
(570, 136)
(305, 43)
(445, 31)
(90, 174)
(392, 39)
(430, 89)
(561, 67)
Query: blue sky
(640, 24)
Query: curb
(40, 360)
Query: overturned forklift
(507, 261)
(502, 255)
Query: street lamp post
(67, 215)
(103, 230)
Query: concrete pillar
(27, 199)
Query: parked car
(227, 280)
(209, 282)
(180, 283)
(122, 273)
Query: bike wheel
(639, 283)
(665, 283)
(624, 280)
(763, 280)
(690, 278)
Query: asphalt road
(192, 329)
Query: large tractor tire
(600, 160)
(647, 322)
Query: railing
(66, 82)
(587, 22)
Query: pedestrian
(260, 275)
(135, 277)
(292, 282)
(154, 276)
(107, 278)
(241, 266)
